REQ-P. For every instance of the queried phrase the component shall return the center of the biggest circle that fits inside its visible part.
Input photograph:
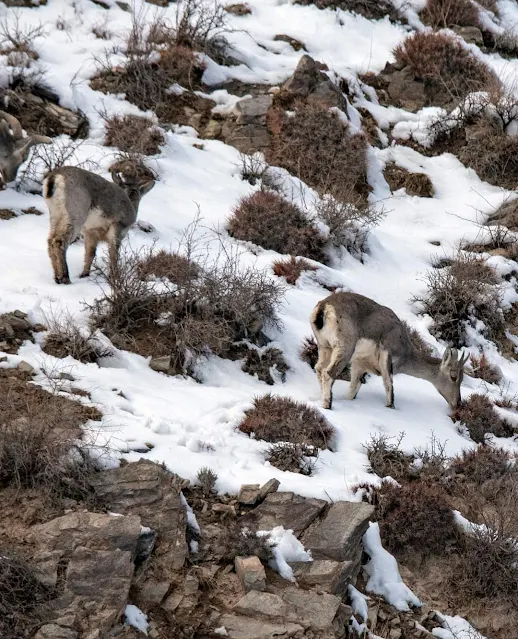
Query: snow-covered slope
(180, 416)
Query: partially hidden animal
(355, 330)
(14, 147)
(81, 201)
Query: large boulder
(310, 83)
(505, 215)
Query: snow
(136, 618)
(383, 573)
(455, 628)
(358, 602)
(285, 548)
(188, 425)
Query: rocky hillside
(166, 466)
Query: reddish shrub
(279, 419)
(292, 268)
(442, 14)
(270, 221)
(133, 134)
(483, 369)
(479, 416)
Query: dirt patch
(418, 184)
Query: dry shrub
(349, 225)
(417, 341)
(481, 368)
(133, 134)
(445, 64)
(21, 593)
(293, 458)
(268, 220)
(201, 25)
(190, 311)
(416, 516)
(483, 464)
(478, 415)
(443, 14)
(267, 364)
(66, 339)
(370, 9)
(461, 295)
(386, 458)
(292, 268)
(240, 541)
(418, 184)
(493, 155)
(40, 441)
(309, 351)
(16, 40)
(313, 144)
(279, 419)
(207, 479)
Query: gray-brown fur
(14, 148)
(82, 202)
(353, 329)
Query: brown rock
(91, 530)
(407, 91)
(247, 138)
(271, 486)
(263, 604)
(505, 215)
(295, 44)
(53, 631)
(253, 110)
(251, 572)
(245, 628)
(320, 610)
(285, 509)
(249, 494)
(472, 35)
(25, 367)
(331, 576)
(338, 535)
(308, 81)
(161, 364)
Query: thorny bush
(133, 134)
(478, 414)
(444, 14)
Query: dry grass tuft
(239, 541)
(66, 339)
(292, 268)
(444, 14)
(133, 134)
(207, 479)
(279, 419)
(478, 415)
(386, 458)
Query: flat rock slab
(338, 535)
(285, 509)
(326, 574)
(245, 628)
(320, 611)
(92, 530)
(251, 573)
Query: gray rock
(25, 367)
(247, 138)
(249, 494)
(285, 509)
(326, 574)
(338, 535)
(53, 631)
(251, 572)
(253, 110)
(407, 91)
(245, 628)
(505, 215)
(271, 486)
(161, 364)
(308, 81)
(152, 591)
(262, 604)
(319, 610)
(472, 35)
(153, 493)
(91, 530)
(46, 563)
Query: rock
(251, 572)
(295, 44)
(407, 91)
(91, 530)
(285, 509)
(53, 631)
(263, 604)
(25, 367)
(326, 574)
(472, 35)
(271, 486)
(505, 215)
(7, 214)
(253, 110)
(161, 364)
(46, 563)
(239, 9)
(245, 628)
(152, 591)
(338, 535)
(213, 130)
(308, 81)
(247, 138)
(320, 610)
(153, 493)
(223, 508)
(249, 494)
